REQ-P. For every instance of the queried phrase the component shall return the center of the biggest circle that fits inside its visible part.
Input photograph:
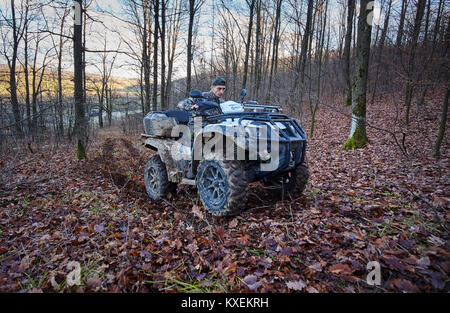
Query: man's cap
(219, 81)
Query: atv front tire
(156, 181)
(222, 185)
(291, 183)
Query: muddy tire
(157, 184)
(292, 183)
(222, 186)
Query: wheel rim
(153, 182)
(213, 186)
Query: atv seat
(182, 117)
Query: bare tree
(358, 137)
(401, 23)
(276, 40)
(300, 71)
(80, 127)
(194, 7)
(155, 54)
(380, 47)
(319, 51)
(16, 24)
(348, 38)
(163, 55)
(251, 4)
(172, 40)
(440, 137)
(409, 82)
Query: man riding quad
(234, 143)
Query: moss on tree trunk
(348, 101)
(358, 140)
(81, 151)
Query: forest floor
(371, 204)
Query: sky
(106, 23)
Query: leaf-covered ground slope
(372, 204)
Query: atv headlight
(265, 155)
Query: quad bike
(222, 182)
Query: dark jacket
(210, 96)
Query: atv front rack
(271, 118)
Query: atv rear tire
(292, 183)
(222, 185)
(156, 181)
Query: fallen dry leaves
(372, 204)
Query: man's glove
(187, 104)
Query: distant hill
(50, 83)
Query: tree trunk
(358, 136)
(321, 29)
(300, 70)
(164, 105)
(402, 23)
(380, 48)
(440, 137)
(347, 44)
(27, 82)
(171, 46)
(257, 67)
(189, 46)
(146, 55)
(155, 56)
(60, 91)
(80, 127)
(12, 74)
(305, 40)
(248, 43)
(427, 20)
(274, 61)
(409, 82)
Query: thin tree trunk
(274, 61)
(155, 56)
(440, 137)
(27, 82)
(172, 47)
(189, 46)
(248, 43)
(347, 44)
(145, 54)
(410, 69)
(300, 71)
(80, 127)
(12, 74)
(60, 91)
(164, 105)
(313, 109)
(305, 40)
(402, 23)
(380, 48)
(257, 67)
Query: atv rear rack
(262, 108)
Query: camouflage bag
(159, 124)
